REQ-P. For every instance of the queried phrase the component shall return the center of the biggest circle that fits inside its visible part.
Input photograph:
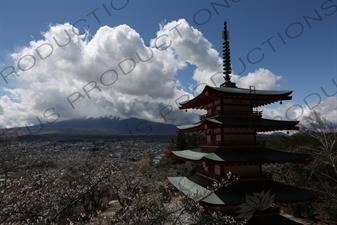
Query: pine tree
(181, 143)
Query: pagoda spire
(226, 59)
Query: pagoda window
(217, 130)
(217, 169)
(205, 167)
(209, 139)
(218, 108)
(218, 137)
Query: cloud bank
(65, 75)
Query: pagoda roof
(258, 123)
(191, 188)
(246, 91)
(230, 155)
(258, 97)
(196, 187)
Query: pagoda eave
(238, 163)
(189, 160)
(255, 123)
(268, 102)
(255, 100)
(270, 129)
(304, 161)
(211, 93)
(200, 128)
(236, 193)
(197, 103)
(238, 156)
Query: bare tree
(49, 187)
(325, 154)
(323, 167)
(317, 137)
(71, 186)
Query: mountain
(105, 128)
(272, 134)
(98, 128)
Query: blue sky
(284, 45)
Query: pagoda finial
(226, 59)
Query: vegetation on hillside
(79, 187)
(318, 138)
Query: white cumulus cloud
(64, 75)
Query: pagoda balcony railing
(210, 143)
(207, 173)
(233, 143)
(246, 176)
(231, 113)
(257, 113)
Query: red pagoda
(230, 127)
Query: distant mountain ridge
(103, 127)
